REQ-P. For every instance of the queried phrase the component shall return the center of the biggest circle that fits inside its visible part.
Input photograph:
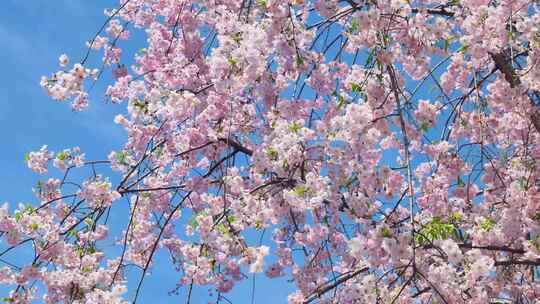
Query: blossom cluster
(368, 152)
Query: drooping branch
(503, 62)
(319, 292)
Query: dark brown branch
(518, 262)
(123, 191)
(155, 245)
(489, 247)
(503, 64)
(493, 248)
(441, 12)
(101, 29)
(236, 145)
(322, 290)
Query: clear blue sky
(33, 34)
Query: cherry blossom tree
(388, 147)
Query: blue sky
(33, 35)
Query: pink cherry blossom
(363, 152)
(38, 161)
(64, 60)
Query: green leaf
(272, 153)
(386, 232)
(72, 232)
(62, 155)
(424, 127)
(369, 60)
(341, 102)
(34, 226)
(455, 217)
(140, 104)
(91, 250)
(232, 219)
(237, 37)
(221, 228)
(193, 221)
(380, 77)
(488, 224)
(448, 41)
(233, 61)
(460, 182)
(80, 251)
(462, 48)
(204, 251)
(325, 220)
(88, 221)
(295, 127)
(436, 230)
(386, 39)
(356, 88)
(121, 157)
(18, 216)
(301, 191)
(30, 209)
(299, 60)
(27, 157)
(353, 26)
(534, 241)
